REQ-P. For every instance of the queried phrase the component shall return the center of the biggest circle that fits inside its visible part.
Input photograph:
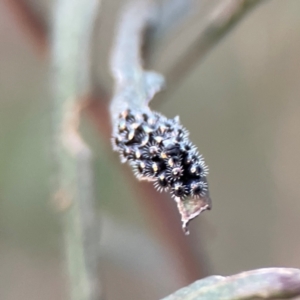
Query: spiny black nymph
(158, 149)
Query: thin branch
(134, 86)
(72, 32)
(30, 24)
(134, 89)
(223, 19)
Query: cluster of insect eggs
(158, 149)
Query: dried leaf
(191, 208)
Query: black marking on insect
(171, 148)
(128, 115)
(137, 154)
(126, 153)
(158, 139)
(179, 190)
(173, 161)
(181, 134)
(153, 168)
(144, 140)
(162, 128)
(118, 141)
(198, 189)
(171, 124)
(174, 173)
(163, 154)
(187, 147)
(131, 134)
(141, 139)
(191, 157)
(135, 125)
(161, 183)
(152, 150)
(140, 169)
(196, 169)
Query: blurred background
(241, 105)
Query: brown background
(241, 105)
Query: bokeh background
(241, 105)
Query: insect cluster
(158, 149)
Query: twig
(73, 27)
(31, 24)
(135, 87)
(224, 18)
(132, 82)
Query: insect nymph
(159, 150)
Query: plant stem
(72, 31)
(134, 86)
